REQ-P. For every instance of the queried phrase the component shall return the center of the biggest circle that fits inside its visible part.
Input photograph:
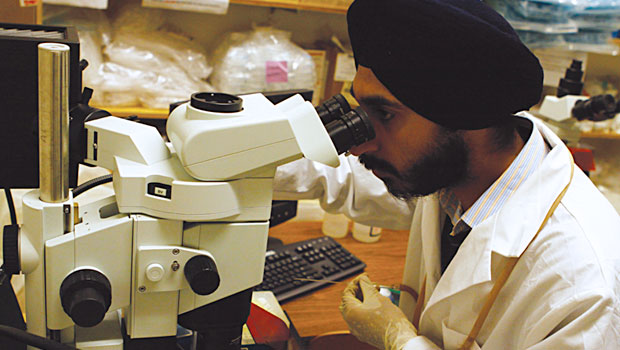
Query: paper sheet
(345, 67)
(95, 4)
(218, 7)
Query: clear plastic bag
(608, 21)
(561, 16)
(94, 31)
(119, 85)
(125, 87)
(156, 51)
(148, 66)
(132, 62)
(590, 37)
(264, 59)
(535, 15)
(537, 40)
(544, 9)
(175, 85)
(130, 16)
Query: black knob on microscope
(86, 296)
(201, 274)
(10, 248)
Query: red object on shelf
(584, 158)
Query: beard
(442, 165)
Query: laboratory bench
(317, 312)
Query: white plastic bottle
(335, 225)
(366, 234)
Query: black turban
(457, 63)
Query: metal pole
(53, 122)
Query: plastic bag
(125, 87)
(158, 68)
(129, 16)
(94, 31)
(264, 59)
(578, 19)
(156, 50)
(535, 16)
(144, 65)
(537, 40)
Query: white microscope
(562, 112)
(183, 240)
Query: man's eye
(386, 116)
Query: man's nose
(369, 146)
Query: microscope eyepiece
(216, 102)
(349, 130)
(597, 108)
(333, 108)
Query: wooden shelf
(600, 135)
(339, 6)
(141, 112)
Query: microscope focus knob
(201, 274)
(86, 296)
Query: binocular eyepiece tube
(346, 127)
(597, 108)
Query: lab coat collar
(516, 224)
(431, 239)
(507, 232)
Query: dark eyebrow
(378, 101)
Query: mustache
(370, 162)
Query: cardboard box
(340, 74)
(20, 11)
(320, 63)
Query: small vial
(335, 225)
(366, 234)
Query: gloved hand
(372, 318)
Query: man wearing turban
(511, 246)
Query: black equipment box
(19, 91)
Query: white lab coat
(350, 189)
(562, 294)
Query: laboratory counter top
(317, 312)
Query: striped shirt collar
(526, 162)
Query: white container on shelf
(335, 225)
(366, 234)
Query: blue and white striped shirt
(526, 162)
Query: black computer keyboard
(291, 270)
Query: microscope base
(219, 324)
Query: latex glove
(372, 318)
